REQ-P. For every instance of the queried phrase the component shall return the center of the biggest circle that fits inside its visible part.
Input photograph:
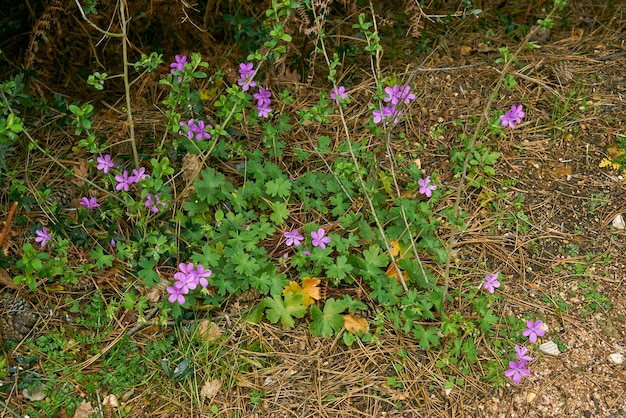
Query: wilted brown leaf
(354, 323)
(5, 279)
(84, 410)
(208, 331)
(309, 290)
(210, 388)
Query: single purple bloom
(89, 202)
(507, 120)
(521, 353)
(425, 186)
(533, 330)
(517, 370)
(176, 295)
(319, 240)
(124, 181)
(293, 238)
(185, 282)
(405, 95)
(263, 97)
(104, 163)
(305, 252)
(113, 243)
(392, 94)
(337, 93)
(43, 236)
(264, 111)
(201, 275)
(386, 113)
(198, 131)
(491, 283)
(138, 175)
(178, 64)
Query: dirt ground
(551, 234)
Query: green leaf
(102, 260)
(278, 187)
(280, 213)
(148, 273)
(284, 311)
(374, 256)
(340, 269)
(324, 324)
(428, 337)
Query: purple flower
(385, 114)
(89, 202)
(293, 238)
(138, 175)
(196, 130)
(521, 353)
(153, 202)
(517, 370)
(246, 73)
(513, 116)
(176, 294)
(533, 330)
(104, 163)
(201, 275)
(124, 181)
(491, 283)
(337, 93)
(425, 186)
(264, 111)
(398, 93)
(305, 252)
(319, 240)
(178, 64)
(43, 236)
(263, 97)
(185, 281)
(113, 243)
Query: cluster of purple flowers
(395, 95)
(186, 279)
(513, 116)
(246, 75)
(153, 202)
(125, 180)
(295, 238)
(517, 369)
(196, 129)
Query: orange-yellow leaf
(354, 323)
(310, 287)
(394, 248)
(392, 271)
(292, 287)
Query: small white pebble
(550, 348)
(530, 397)
(616, 358)
(618, 222)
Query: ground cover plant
(296, 232)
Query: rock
(550, 348)
(618, 222)
(616, 358)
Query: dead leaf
(210, 388)
(84, 410)
(35, 395)
(208, 331)
(577, 33)
(354, 323)
(110, 401)
(80, 170)
(394, 248)
(392, 271)
(5, 279)
(309, 290)
(465, 50)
